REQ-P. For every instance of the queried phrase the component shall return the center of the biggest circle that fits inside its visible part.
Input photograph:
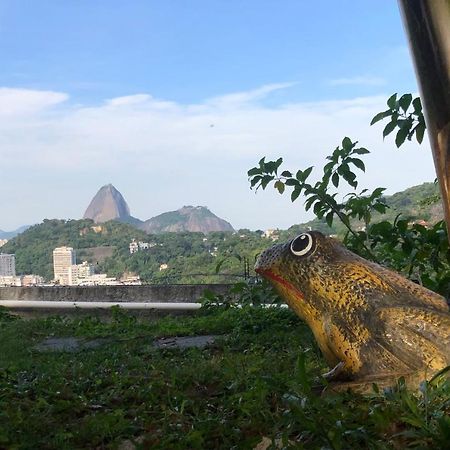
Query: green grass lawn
(257, 381)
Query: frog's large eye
(302, 244)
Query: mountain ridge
(188, 218)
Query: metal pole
(45, 304)
(427, 24)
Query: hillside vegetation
(190, 257)
(417, 203)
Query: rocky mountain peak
(107, 204)
(187, 218)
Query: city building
(99, 279)
(10, 281)
(79, 272)
(7, 265)
(32, 280)
(134, 247)
(63, 259)
(271, 234)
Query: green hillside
(190, 257)
(416, 203)
(34, 247)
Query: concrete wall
(150, 293)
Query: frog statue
(371, 324)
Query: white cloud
(15, 102)
(162, 155)
(242, 98)
(361, 80)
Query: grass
(257, 381)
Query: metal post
(427, 24)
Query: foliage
(320, 196)
(34, 247)
(420, 253)
(257, 381)
(191, 257)
(406, 116)
(254, 293)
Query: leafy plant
(406, 116)
(420, 253)
(319, 195)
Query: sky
(173, 101)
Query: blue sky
(93, 92)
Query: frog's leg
(419, 337)
(335, 372)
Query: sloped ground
(254, 386)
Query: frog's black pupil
(300, 243)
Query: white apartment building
(63, 259)
(7, 265)
(79, 272)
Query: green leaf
(417, 105)
(278, 163)
(328, 167)
(254, 171)
(379, 207)
(310, 201)
(219, 264)
(377, 192)
(329, 218)
(392, 100)
(401, 136)
(280, 186)
(404, 101)
(266, 180)
(295, 193)
(335, 179)
(361, 151)
(317, 208)
(420, 131)
(380, 116)
(292, 182)
(347, 143)
(389, 128)
(357, 163)
(255, 180)
(286, 173)
(307, 173)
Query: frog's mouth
(280, 281)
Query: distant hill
(189, 218)
(187, 254)
(14, 233)
(187, 257)
(422, 202)
(33, 248)
(109, 204)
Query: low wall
(148, 293)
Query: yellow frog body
(371, 324)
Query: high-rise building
(63, 259)
(80, 272)
(7, 265)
